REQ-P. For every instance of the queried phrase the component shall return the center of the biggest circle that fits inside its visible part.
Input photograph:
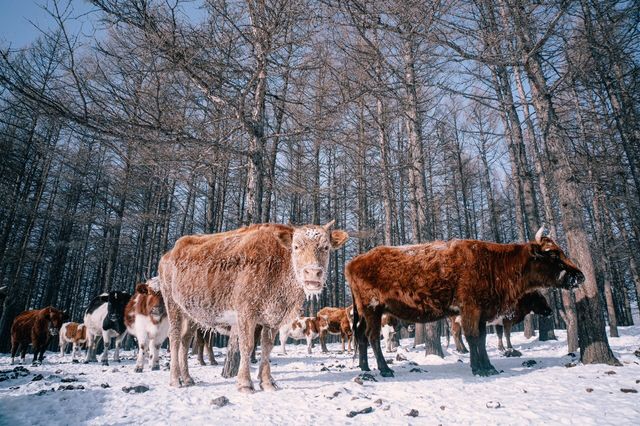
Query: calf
(388, 330)
(336, 321)
(428, 282)
(307, 328)
(146, 319)
(35, 327)
(531, 302)
(257, 275)
(104, 318)
(74, 333)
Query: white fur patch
(154, 284)
(374, 302)
(227, 317)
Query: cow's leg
(283, 339)
(362, 342)
(343, 337)
(15, 345)
(470, 325)
(323, 341)
(143, 351)
(74, 349)
(155, 353)
(106, 342)
(350, 338)
(200, 344)
(507, 335)
(116, 352)
(175, 332)
(246, 330)
(256, 338)
(188, 328)
(23, 355)
(373, 318)
(91, 348)
(488, 369)
(309, 338)
(62, 343)
(264, 372)
(499, 330)
(208, 348)
(456, 332)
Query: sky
(17, 19)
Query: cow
(256, 275)
(307, 328)
(388, 324)
(338, 322)
(35, 327)
(105, 318)
(427, 282)
(146, 319)
(531, 302)
(74, 333)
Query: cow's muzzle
(53, 331)
(571, 279)
(157, 311)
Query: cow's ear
(338, 238)
(536, 250)
(142, 288)
(285, 236)
(104, 297)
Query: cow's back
(212, 276)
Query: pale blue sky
(18, 16)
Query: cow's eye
(325, 248)
(295, 247)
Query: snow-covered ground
(443, 391)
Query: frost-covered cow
(146, 319)
(257, 275)
(427, 282)
(105, 318)
(304, 328)
(74, 333)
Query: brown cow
(35, 327)
(74, 333)
(257, 275)
(530, 302)
(146, 319)
(427, 282)
(337, 322)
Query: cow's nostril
(319, 273)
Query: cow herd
(251, 283)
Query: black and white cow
(105, 318)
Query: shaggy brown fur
(427, 282)
(337, 322)
(35, 327)
(257, 275)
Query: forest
(405, 121)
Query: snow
(446, 393)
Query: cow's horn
(539, 234)
(329, 224)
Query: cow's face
(56, 319)
(535, 302)
(116, 302)
(310, 248)
(151, 300)
(556, 269)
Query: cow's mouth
(313, 287)
(570, 280)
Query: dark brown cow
(530, 302)
(428, 282)
(35, 327)
(337, 321)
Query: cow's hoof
(175, 384)
(105, 363)
(155, 368)
(254, 361)
(269, 386)
(246, 389)
(365, 368)
(386, 373)
(188, 382)
(138, 370)
(117, 360)
(509, 353)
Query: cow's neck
(509, 267)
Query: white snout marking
(374, 302)
(561, 275)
